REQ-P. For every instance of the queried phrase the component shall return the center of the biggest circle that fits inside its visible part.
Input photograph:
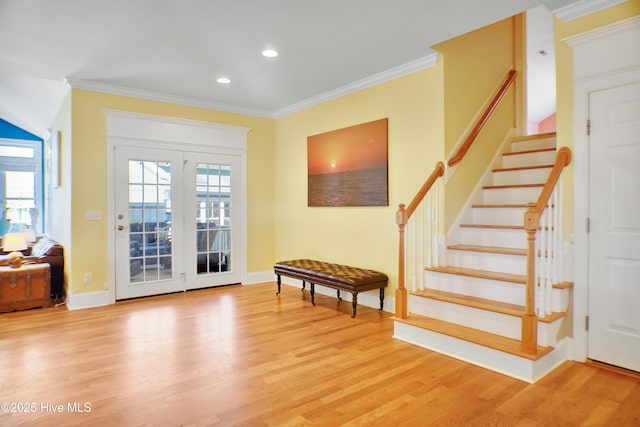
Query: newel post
(529, 319)
(401, 292)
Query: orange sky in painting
(354, 148)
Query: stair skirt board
(506, 325)
(514, 366)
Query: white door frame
(603, 58)
(159, 132)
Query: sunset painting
(348, 167)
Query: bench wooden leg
(354, 303)
(304, 284)
(381, 298)
(339, 297)
(278, 293)
(312, 289)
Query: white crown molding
(393, 73)
(617, 27)
(584, 7)
(163, 97)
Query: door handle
(121, 227)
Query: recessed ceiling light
(270, 53)
(223, 80)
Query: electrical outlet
(88, 278)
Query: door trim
(591, 74)
(169, 133)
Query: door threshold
(613, 368)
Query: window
(20, 185)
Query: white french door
(614, 240)
(175, 221)
(212, 239)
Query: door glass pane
(213, 218)
(150, 221)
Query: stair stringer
(452, 235)
(522, 368)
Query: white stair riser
(508, 196)
(521, 176)
(503, 263)
(498, 216)
(493, 237)
(529, 159)
(559, 300)
(533, 144)
(488, 321)
(512, 293)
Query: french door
(175, 221)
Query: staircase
(471, 307)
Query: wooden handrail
(563, 158)
(457, 158)
(438, 171)
(402, 217)
(529, 340)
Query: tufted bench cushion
(336, 276)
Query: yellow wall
(475, 65)
(87, 248)
(362, 236)
(564, 86)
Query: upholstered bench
(336, 276)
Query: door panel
(213, 204)
(146, 234)
(614, 240)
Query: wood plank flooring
(243, 356)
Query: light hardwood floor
(243, 356)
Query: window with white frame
(21, 189)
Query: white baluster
(436, 230)
(420, 261)
(550, 234)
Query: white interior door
(614, 240)
(149, 227)
(212, 220)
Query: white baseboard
(367, 299)
(87, 300)
(259, 277)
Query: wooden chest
(25, 287)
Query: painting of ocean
(365, 187)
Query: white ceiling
(175, 49)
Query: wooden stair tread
(506, 206)
(481, 274)
(521, 168)
(486, 339)
(539, 150)
(496, 187)
(483, 304)
(489, 249)
(535, 136)
(523, 205)
(474, 302)
(494, 226)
